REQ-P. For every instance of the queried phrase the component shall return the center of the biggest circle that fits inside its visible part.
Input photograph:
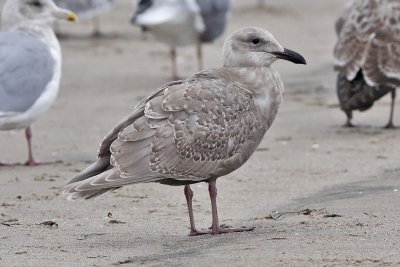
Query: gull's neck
(259, 79)
(265, 85)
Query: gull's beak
(65, 15)
(291, 56)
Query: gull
(30, 63)
(195, 130)
(87, 9)
(183, 22)
(340, 21)
(367, 55)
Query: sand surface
(338, 188)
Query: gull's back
(26, 68)
(367, 53)
(174, 22)
(215, 16)
(369, 40)
(85, 8)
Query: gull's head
(256, 47)
(34, 12)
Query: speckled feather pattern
(188, 131)
(369, 40)
(196, 129)
(357, 94)
(367, 54)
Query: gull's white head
(256, 47)
(33, 12)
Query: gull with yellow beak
(30, 63)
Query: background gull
(367, 54)
(87, 9)
(195, 130)
(30, 63)
(343, 17)
(183, 22)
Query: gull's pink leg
(215, 227)
(28, 135)
(30, 161)
(189, 198)
(96, 26)
(390, 124)
(174, 64)
(200, 56)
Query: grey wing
(102, 169)
(370, 41)
(357, 94)
(26, 67)
(104, 154)
(212, 130)
(355, 36)
(382, 62)
(215, 16)
(77, 6)
(189, 131)
(85, 8)
(195, 130)
(104, 148)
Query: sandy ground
(337, 187)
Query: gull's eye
(36, 3)
(255, 41)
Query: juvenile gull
(340, 21)
(87, 9)
(367, 54)
(195, 130)
(30, 63)
(183, 22)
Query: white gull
(183, 22)
(30, 63)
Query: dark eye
(255, 41)
(35, 3)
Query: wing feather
(369, 40)
(188, 131)
(26, 68)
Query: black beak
(291, 56)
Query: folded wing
(188, 131)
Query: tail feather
(357, 94)
(89, 194)
(101, 165)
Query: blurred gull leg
(390, 124)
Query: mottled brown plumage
(367, 54)
(195, 130)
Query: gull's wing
(26, 67)
(370, 41)
(214, 14)
(150, 13)
(344, 16)
(189, 131)
(85, 8)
